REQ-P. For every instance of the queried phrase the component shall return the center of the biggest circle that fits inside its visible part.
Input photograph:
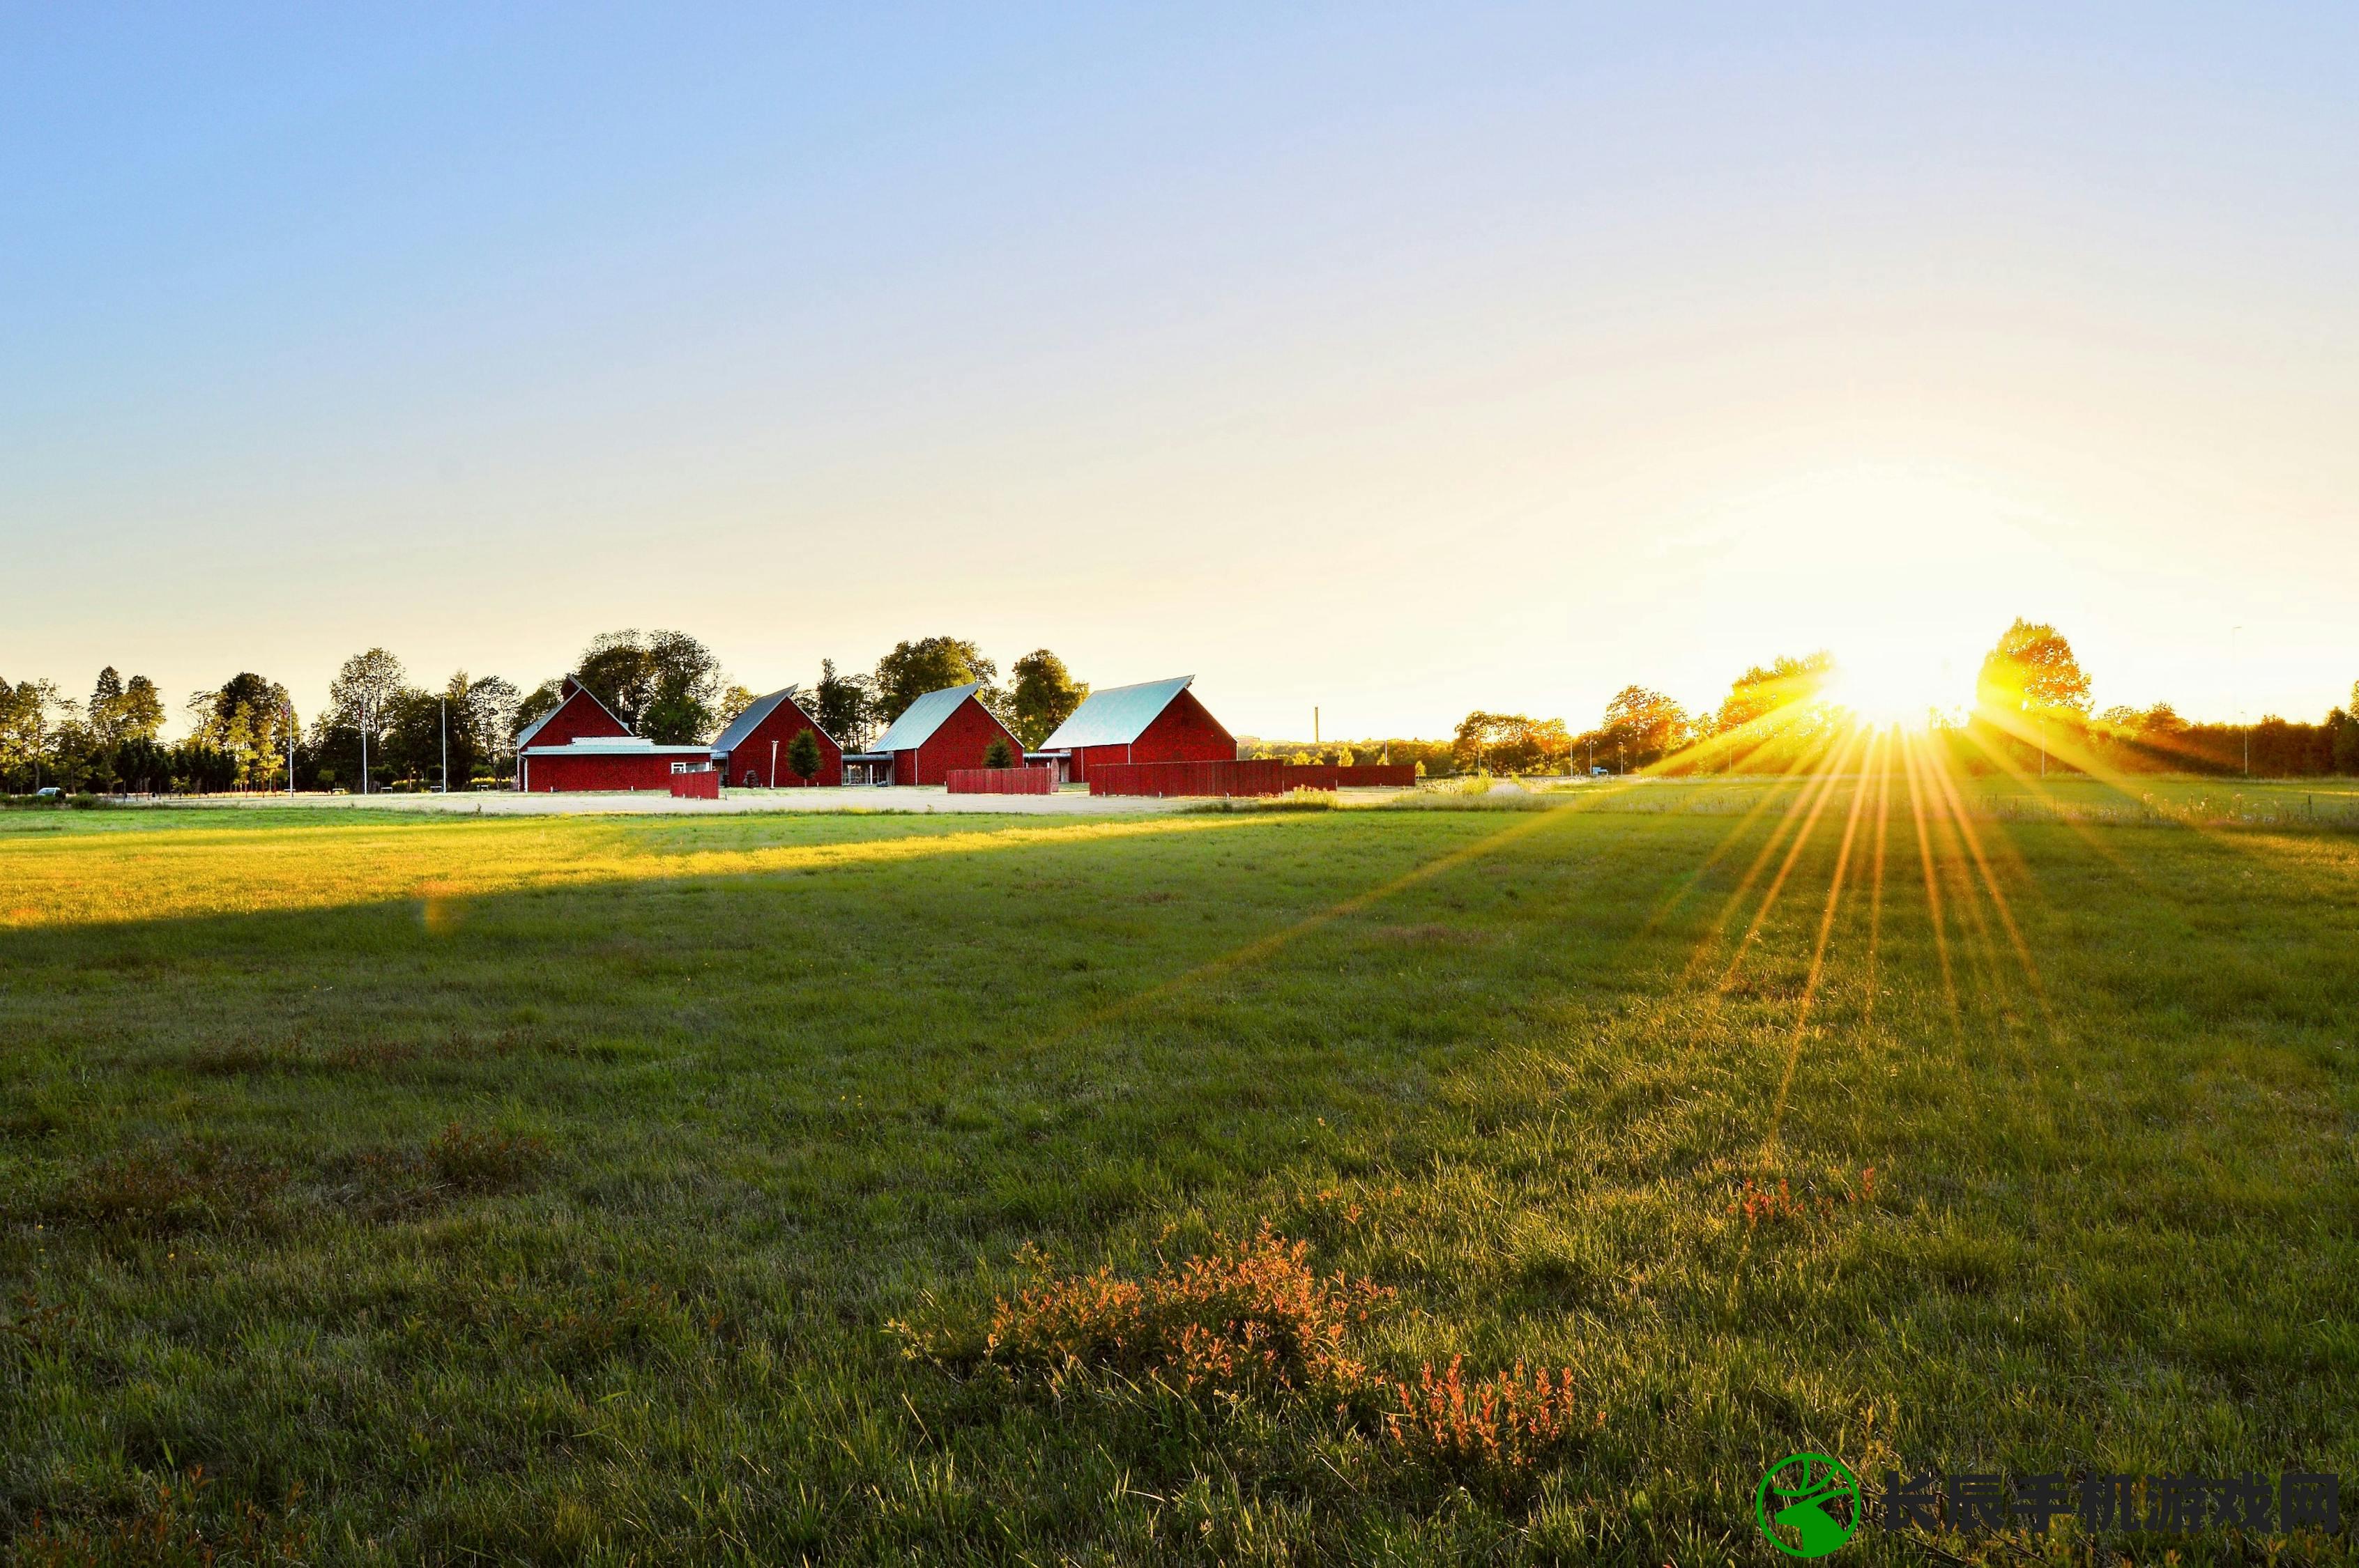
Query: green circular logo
(1808, 1505)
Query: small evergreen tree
(997, 755)
(803, 757)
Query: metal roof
(611, 746)
(745, 723)
(922, 717)
(573, 688)
(1118, 715)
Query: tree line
(2031, 711)
(380, 725)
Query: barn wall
(1185, 731)
(578, 716)
(563, 774)
(959, 743)
(786, 720)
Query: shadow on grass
(714, 1131)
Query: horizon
(1398, 366)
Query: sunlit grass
(545, 1189)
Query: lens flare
(1888, 692)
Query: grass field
(389, 1188)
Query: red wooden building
(1155, 721)
(942, 730)
(753, 749)
(580, 745)
(578, 713)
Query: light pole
(289, 712)
(446, 745)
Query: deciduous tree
(666, 686)
(1509, 744)
(365, 688)
(2032, 670)
(1043, 696)
(1642, 727)
(1769, 695)
(929, 663)
(843, 705)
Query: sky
(1391, 360)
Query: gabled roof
(610, 746)
(573, 688)
(745, 723)
(922, 717)
(1118, 715)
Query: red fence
(1001, 781)
(1262, 777)
(703, 785)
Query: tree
(734, 701)
(1044, 697)
(121, 711)
(541, 699)
(411, 738)
(997, 755)
(803, 756)
(913, 669)
(666, 686)
(21, 737)
(363, 688)
(1782, 690)
(139, 711)
(2342, 737)
(105, 701)
(2032, 672)
(1642, 728)
(843, 705)
(248, 719)
(1508, 743)
(491, 706)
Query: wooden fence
(1258, 777)
(1001, 781)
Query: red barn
(610, 762)
(942, 730)
(580, 745)
(753, 749)
(1155, 721)
(578, 713)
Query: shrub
(459, 1160)
(1252, 1319)
(172, 1527)
(1498, 1429)
(186, 1187)
(998, 754)
(1246, 1316)
(1764, 1205)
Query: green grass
(543, 1189)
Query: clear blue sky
(1396, 361)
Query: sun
(1890, 690)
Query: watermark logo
(1808, 1505)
